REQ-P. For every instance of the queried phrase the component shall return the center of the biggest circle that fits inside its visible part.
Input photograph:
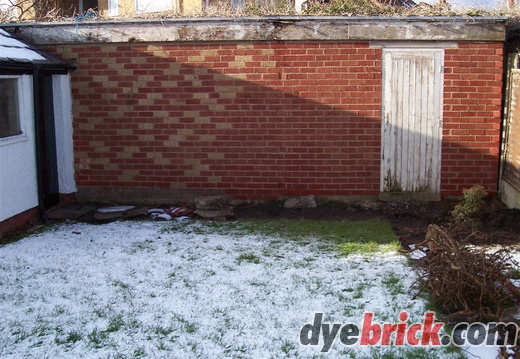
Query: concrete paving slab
(72, 212)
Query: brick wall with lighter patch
(264, 120)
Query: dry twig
(466, 281)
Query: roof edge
(277, 28)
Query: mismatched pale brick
(265, 120)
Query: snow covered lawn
(191, 290)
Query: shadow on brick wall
(158, 122)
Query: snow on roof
(12, 49)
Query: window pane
(153, 5)
(113, 7)
(9, 119)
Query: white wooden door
(412, 120)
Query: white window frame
(113, 7)
(149, 7)
(24, 108)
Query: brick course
(265, 120)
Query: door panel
(412, 120)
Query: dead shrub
(466, 282)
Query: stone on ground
(301, 202)
(214, 207)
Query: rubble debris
(156, 210)
(301, 202)
(368, 205)
(161, 217)
(113, 209)
(214, 207)
(181, 211)
(118, 212)
(212, 202)
(136, 212)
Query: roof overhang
(280, 28)
(20, 57)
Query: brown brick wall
(264, 120)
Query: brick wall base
(150, 195)
(139, 195)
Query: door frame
(436, 53)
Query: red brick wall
(265, 120)
(472, 113)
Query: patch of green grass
(408, 353)
(40, 330)
(19, 335)
(302, 264)
(139, 352)
(351, 236)
(115, 324)
(69, 339)
(100, 312)
(97, 339)
(161, 345)
(359, 292)
(363, 237)
(120, 284)
(163, 331)
(355, 247)
(187, 283)
(375, 230)
(18, 332)
(250, 258)
(255, 283)
(60, 310)
(393, 284)
(188, 326)
(146, 246)
(23, 232)
(288, 348)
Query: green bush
(471, 204)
